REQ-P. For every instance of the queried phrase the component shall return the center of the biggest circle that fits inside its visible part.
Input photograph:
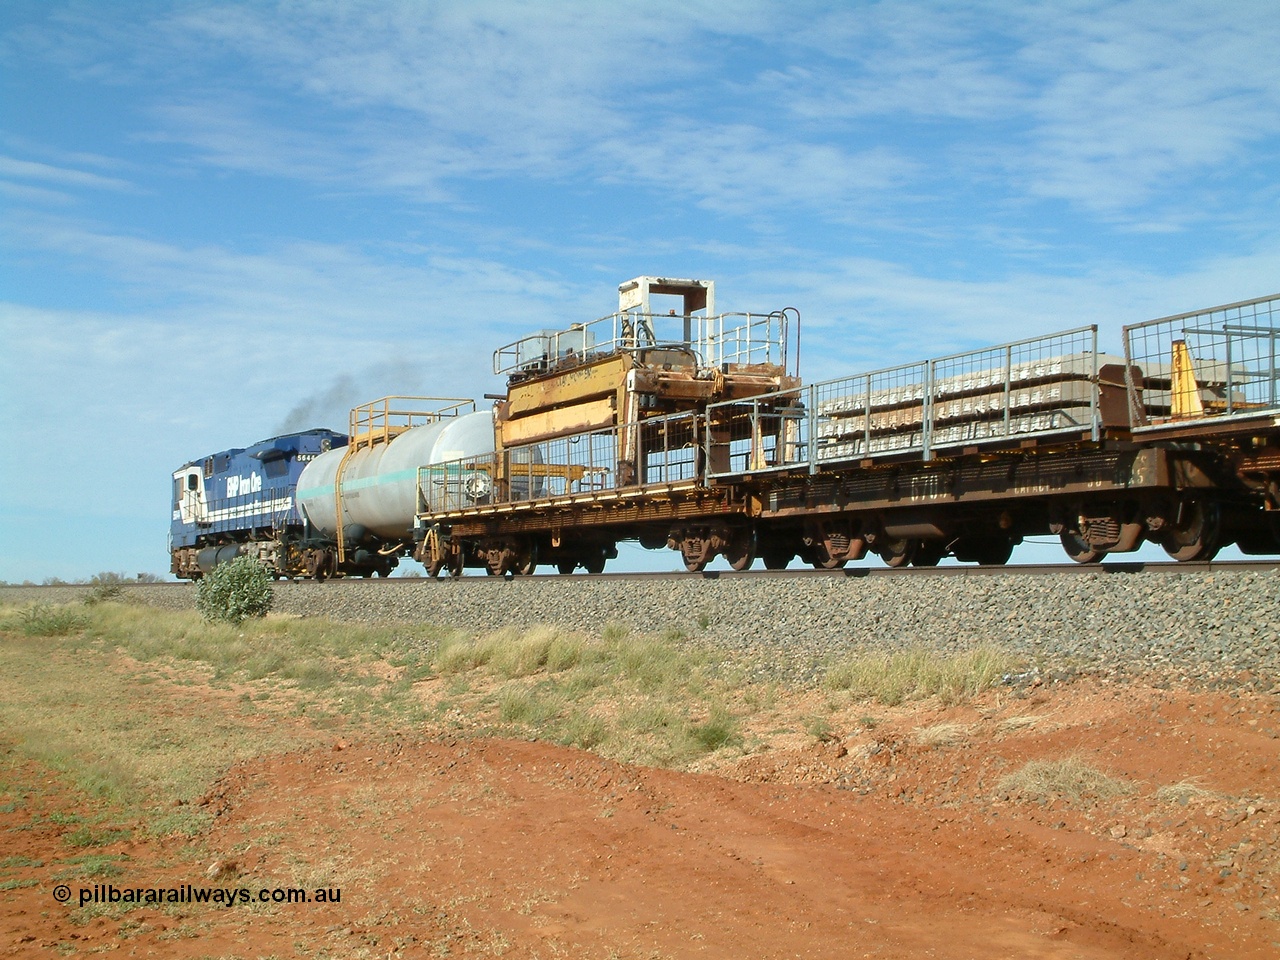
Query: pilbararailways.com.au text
(220, 896)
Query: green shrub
(719, 730)
(44, 620)
(104, 592)
(235, 591)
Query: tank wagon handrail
(379, 421)
(1221, 364)
(726, 338)
(1022, 389)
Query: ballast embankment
(1221, 626)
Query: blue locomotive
(243, 501)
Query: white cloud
(1108, 106)
(16, 169)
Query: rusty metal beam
(971, 480)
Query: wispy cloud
(315, 306)
(1104, 106)
(16, 169)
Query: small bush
(44, 620)
(526, 706)
(940, 735)
(719, 730)
(104, 593)
(235, 591)
(1185, 792)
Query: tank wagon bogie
(691, 430)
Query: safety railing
(741, 339)
(657, 451)
(380, 421)
(1220, 363)
(717, 341)
(267, 507)
(1020, 390)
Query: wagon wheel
(1079, 549)
(741, 551)
(1196, 535)
(929, 553)
(777, 557)
(595, 562)
(566, 566)
(527, 560)
(436, 556)
(454, 564)
(899, 553)
(824, 562)
(695, 554)
(995, 553)
(1263, 538)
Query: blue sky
(218, 215)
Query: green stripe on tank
(398, 477)
(347, 485)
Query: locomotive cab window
(193, 482)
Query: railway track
(1157, 567)
(955, 570)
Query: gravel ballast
(1220, 625)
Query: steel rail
(1118, 567)
(956, 570)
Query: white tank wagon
(360, 500)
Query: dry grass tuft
(1186, 792)
(940, 735)
(1070, 778)
(1018, 724)
(916, 674)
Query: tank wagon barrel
(692, 430)
(360, 500)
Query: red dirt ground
(893, 839)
